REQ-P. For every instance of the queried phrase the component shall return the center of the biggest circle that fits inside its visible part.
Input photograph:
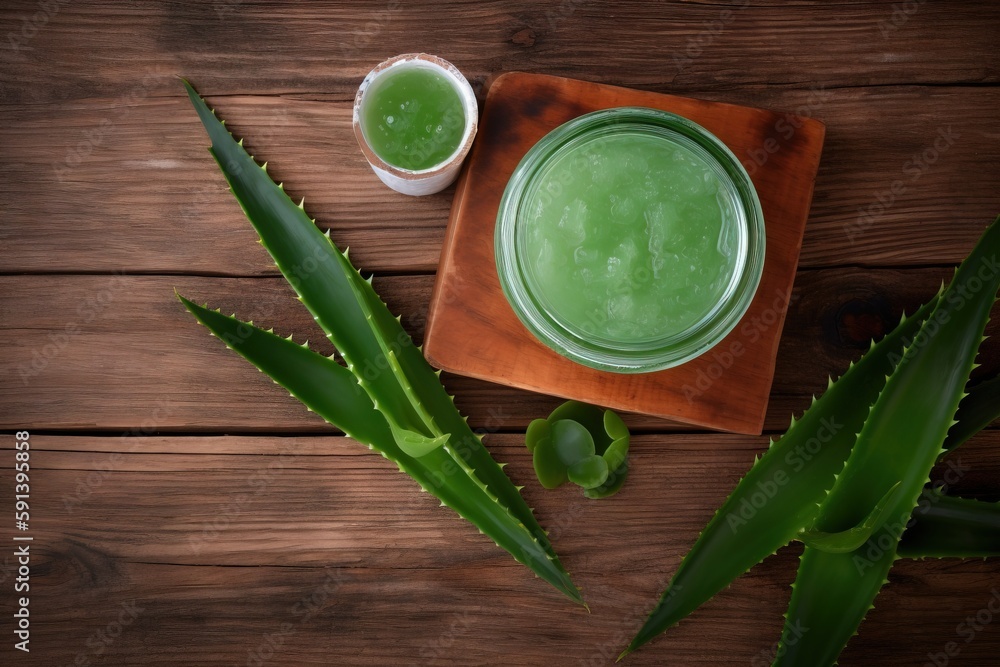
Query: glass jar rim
(658, 353)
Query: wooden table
(187, 512)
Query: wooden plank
(210, 545)
(158, 204)
(139, 362)
(249, 47)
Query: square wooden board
(473, 331)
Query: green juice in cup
(413, 118)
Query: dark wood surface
(174, 483)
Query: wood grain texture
(58, 156)
(472, 330)
(138, 359)
(326, 47)
(222, 541)
(103, 171)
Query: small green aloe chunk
(589, 472)
(571, 441)
(582, 444)
(551, 472)
(537, 430)
(616, 457)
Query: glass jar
(630, 240)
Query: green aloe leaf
(309, 263)
(947, 527)
(464, 445)
(416, 444)
(781, 493)
(902, 438)
(854, 537)
(723, 552)
(975, 412)
(388, 367)
(333, 392)
(323, 385)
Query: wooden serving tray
(473, 331)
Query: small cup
(439, 176)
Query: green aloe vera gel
(630, 240)
(414, 117)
